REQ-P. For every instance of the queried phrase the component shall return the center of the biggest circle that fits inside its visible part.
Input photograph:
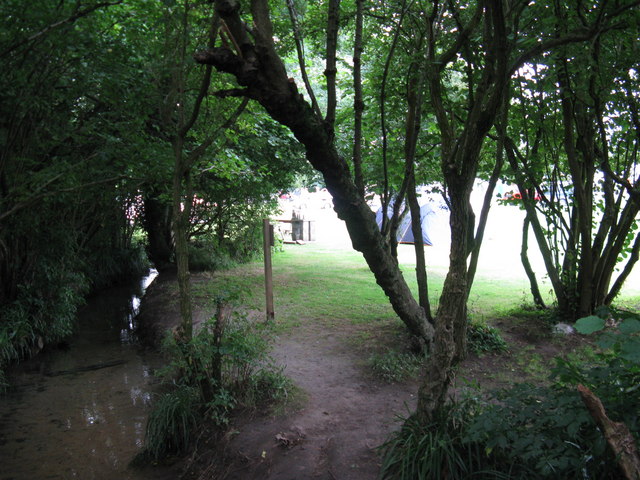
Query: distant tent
(405, 234)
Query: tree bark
(460, 159)
(331, 70)
(358, 102)
(412, 131)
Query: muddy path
(80, 412)
(346, 415)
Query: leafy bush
(524, 431)
(43, 312)
(547, 433)
(107, 266)
(205, 256)
(269, 385)
(621, 337)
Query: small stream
(81, 412)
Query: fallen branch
(87, 368)
(618, 436)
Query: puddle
(81, 412)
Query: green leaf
(630, 350)
(608, 341)
(589, 325)
(629, 326)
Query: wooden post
(268, 272)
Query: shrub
(171, 422)
(207, 257)
(524, 431)
(547, 433)
(111, 265)
(43, 312)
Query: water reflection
(81, 413)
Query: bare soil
(346, 413)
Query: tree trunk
(421, 263)
(451, 317)
(358, 102)
(181, 214)
(263, 75)
(524, 258)
(157, 224)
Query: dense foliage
(87, 144)
(523, 431)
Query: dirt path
(346, 415)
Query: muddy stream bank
(80, 411)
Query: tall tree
(573, 153)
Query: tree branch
(574, 37)
(200, 149)
(386, 197)
(330, 71)
(358, 102)
(204, 84)
(300, 51)
(21, 205)
(617, 434)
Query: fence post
(267, 233)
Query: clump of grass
(171, 422)
(393, 366)
(435, 449)
(483, 338)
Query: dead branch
(617, 434)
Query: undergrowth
(436, 449)
(483, 338)
(393, 366)
(523, 431)
(396, 366)
(224, 367)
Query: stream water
(81, 412)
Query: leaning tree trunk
(524, 258)
(260, 71)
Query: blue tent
(405, 234)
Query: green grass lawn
(316, 283)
